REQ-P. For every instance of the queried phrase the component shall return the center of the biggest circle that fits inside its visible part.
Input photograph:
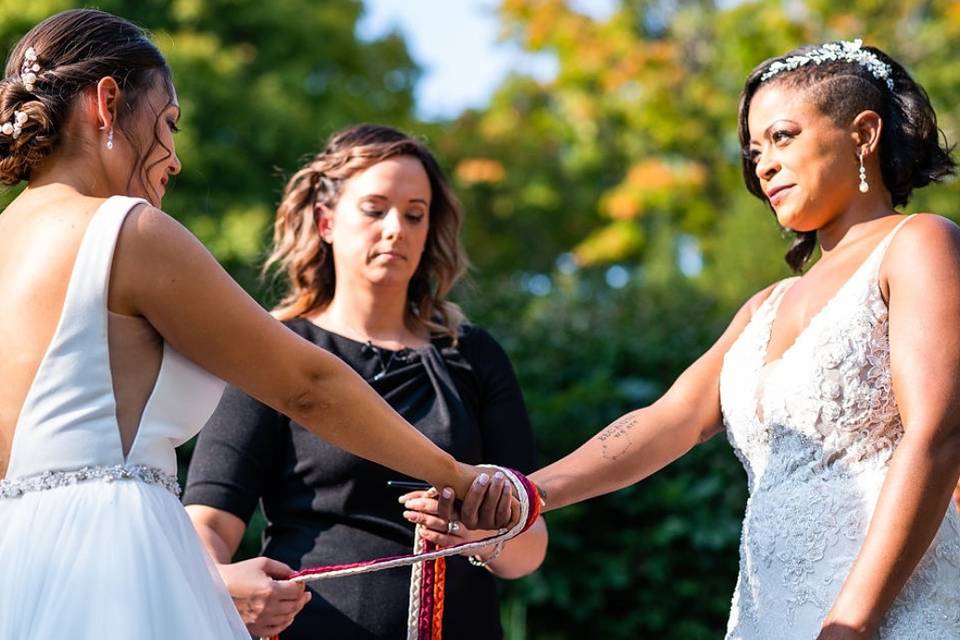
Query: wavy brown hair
(307, 261)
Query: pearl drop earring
(110, 138)
(864, 187)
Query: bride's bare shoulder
(927, 246)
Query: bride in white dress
(116, 330)
(839, 390)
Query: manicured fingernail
(409, 515)
(483, 479)
(447, 493)
(498, 475)
(402, 499)
(409, 504)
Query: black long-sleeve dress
(326, 506)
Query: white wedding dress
(93, 543)
(815, 431)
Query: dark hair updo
(912, 153)
(74, 49)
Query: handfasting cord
(428, 573)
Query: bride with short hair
(839, 390)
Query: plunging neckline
(780, 295)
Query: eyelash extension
(781, 134)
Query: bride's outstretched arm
(643, 441)
(163, 273)
(922, 269)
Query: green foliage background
(626, 159)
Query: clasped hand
(268, 602)
(488, 506)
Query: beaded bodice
(815, 431)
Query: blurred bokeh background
(594, 146)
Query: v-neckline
(775, 304)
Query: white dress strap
(772, 303)
(48, 434)
(881, 249)
(90, 280)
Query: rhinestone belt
(16, 487)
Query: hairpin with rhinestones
(842, 51)
(30, 69)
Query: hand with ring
(435, 512)
(489, 500)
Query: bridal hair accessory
(428, 573)
(14, 127)
(30, 69)
(842, 51)
(28, 75)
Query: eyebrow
(383, 197)
(766, 131)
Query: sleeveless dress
(95, 544)
(815, 431)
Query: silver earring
(864, 187)
(110, 139)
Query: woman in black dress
(368, 236)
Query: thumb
(276, 569)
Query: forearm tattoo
(616, 438)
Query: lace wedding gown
(94, 543)
(815, 431)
